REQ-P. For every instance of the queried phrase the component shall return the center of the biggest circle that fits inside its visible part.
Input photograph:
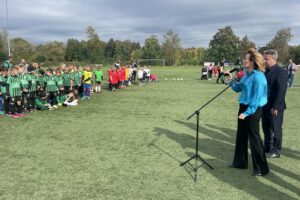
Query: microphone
(240, 74)
(237, 79)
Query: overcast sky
(196, 21)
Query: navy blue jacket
(277, 79)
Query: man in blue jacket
(272, 114)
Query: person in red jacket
(115, 79)
(119, 77)
(123, 73)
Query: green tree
(21, 48)
(119, 50)
(3, 56)
(40, 59)
(245, 44)
(110, 49)
(224, 44)
(94, 46)
(73, 50)
(280, 42)
(189, 56)
(151, 49)
(53, 51)
(127, 49)
(295, 54)
(171, 48)
(136, 54)
(201, 55)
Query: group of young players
(26, 88)
(120, 77)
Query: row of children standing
(119, 77)
(43, 90)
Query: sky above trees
(195, 21)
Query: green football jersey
(77, 78)
(51, 84)
(32, 83)
(14, 83)
(3, 89)
(60, 81)
(67, 77)
(24, 78)
(41, 81)
(98, 75)
(41, 104)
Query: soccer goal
(151, 62)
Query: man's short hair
(271, 52)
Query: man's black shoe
(273, 155)
(258, 174)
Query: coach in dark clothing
(272, 113)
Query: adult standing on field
(221, 71)
(292, 68)
(210, 71)
(253, 89)
(272, 115)
(25, 64)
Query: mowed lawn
(128, 144)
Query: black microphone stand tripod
(197, 156)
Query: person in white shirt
(140, 74)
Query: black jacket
(277, 79)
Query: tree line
(223, 44)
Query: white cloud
(195, 21)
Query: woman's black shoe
(237, 167)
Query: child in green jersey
(51, 87)
(41, 101)
(40, 80)
(80, 89)
(15, 93)
(4, 92)
(68, 79)
(60, 84)
(32, 89)
(98, 74)
(77, 76)
(24, 78)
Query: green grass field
(128, 145)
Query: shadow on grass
(221, 148)
(192, 173)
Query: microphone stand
(197, 156)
